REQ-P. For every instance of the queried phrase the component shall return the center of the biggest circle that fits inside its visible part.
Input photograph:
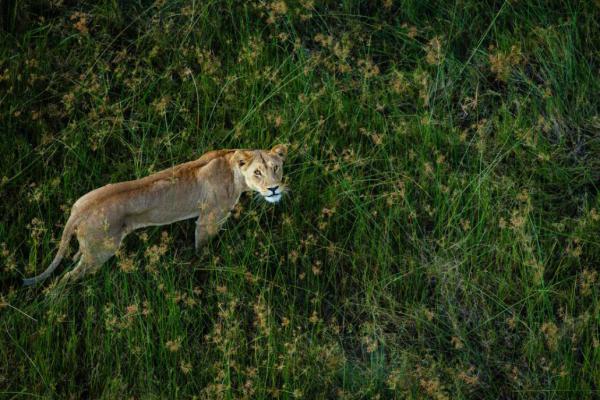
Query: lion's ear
(242, 158)
(281, 150)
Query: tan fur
(207, 188)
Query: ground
(440, 239)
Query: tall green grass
(440, 239)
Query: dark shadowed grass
(440, 238)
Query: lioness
(207, 188)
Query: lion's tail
(62, 248)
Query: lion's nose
(273, 189)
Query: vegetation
(440, 239)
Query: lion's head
(263, 171)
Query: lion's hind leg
(95, 248)
(75, 273)
(87, 264)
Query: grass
(440, 239)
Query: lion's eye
(257, 173)
(276, 168)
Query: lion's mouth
(273, 198)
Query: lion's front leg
(201, 235)
(208, 225)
